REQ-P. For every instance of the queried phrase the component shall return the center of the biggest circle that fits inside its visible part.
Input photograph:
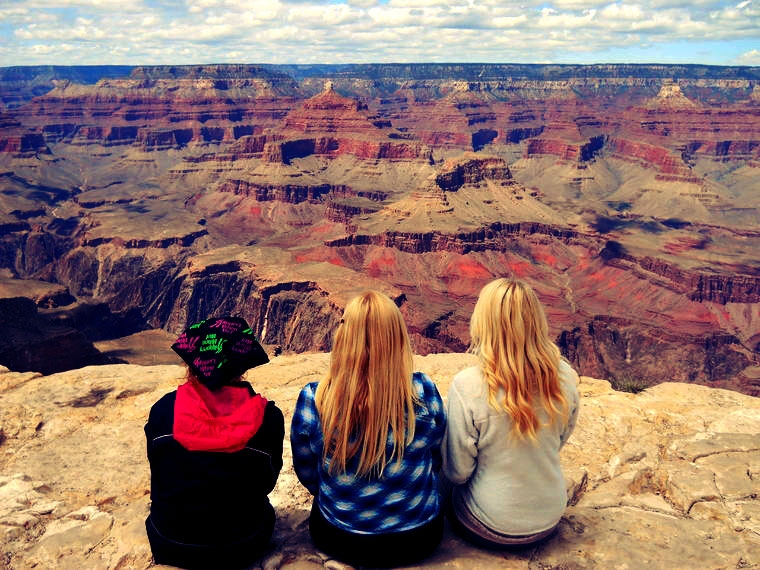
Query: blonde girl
(509, 416)
(366, 443)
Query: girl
(215, 451)
(508, 419)
(366, 443)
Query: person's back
(508, 418)
(215, 452)
(366, 443)
(404, 497)
(516, 486)
(204, 496)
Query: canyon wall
(626, 195)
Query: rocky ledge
(666, 478)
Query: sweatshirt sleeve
(460, 442)
(272, 441)
(305, 430)
(573, 403)
(434, 403)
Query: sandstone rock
(626, 537)
(67, 544)
(686, 484)
(654, 479)
(670, 95)
(720, 443)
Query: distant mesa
(755, 96)
(471, 169)
(671, 96)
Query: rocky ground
(667, 478)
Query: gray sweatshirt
(513, 487)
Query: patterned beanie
(218, 350)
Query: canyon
(628, 196)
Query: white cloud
(75, 33)
(751, 57)
(325, 15)
(509, 21)
(364, 30)
(407, 4)
(395, 17)
(622, 12)
(11, 13)
(555, 20)
(578, 4)
(108, 5)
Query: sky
(152, 32)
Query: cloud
(622, 12)
(363, 3)
(146, 31)
(751, 57)
(97, 5)
(80, 32)
(410, 4)
(325, 16)
(12, 13)
(45, 49)
(578, 4)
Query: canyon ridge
(140, 199)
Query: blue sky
(144, 32)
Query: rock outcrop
(34, 341)
(666, 478)
(671, 96)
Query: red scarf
(223, 420)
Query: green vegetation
(626, 382)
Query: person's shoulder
(161, 415)
(272, 413)
(568, 377)
(165, 402)
(424, 386)
(430, 401)
(309, 390)
(567, 372)
(469, 374)
(422, 379)
(468, 382)
(307, 398)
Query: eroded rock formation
(626, 195)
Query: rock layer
(626, 195)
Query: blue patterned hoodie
(404, 497)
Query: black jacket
(211, 498)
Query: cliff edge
(666, 478)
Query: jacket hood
(223, 420)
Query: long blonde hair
(368, 391)
(509, 333)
